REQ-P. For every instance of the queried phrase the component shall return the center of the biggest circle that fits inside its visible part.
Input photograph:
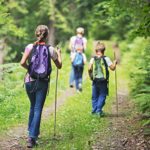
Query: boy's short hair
(80, 30)
(100, 47)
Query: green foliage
(140, 73)
(12, 96)
(136, 12)
(101, 19)
(122, 19)
(9, 13)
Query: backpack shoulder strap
(49, 65)
(105, 63)
(49, 55)
(95, 57)
(31, 52)
(48, 48)
(106, 68)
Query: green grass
(75, 123)
(12, 97)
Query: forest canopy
(105, 19)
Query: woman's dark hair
(100, 47)
(41, 33)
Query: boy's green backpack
(100, 69)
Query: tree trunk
(2, 45)
(51, 37)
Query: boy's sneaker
(78, 91)
(80, 87)
(102, 114)
(31, 142)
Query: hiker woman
(99, 74)
(38, 56)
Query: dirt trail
(14, 136)
(108, 138)
(122, 132)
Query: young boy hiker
(37, 60)
(99, 74)
(78, 60)
(76, 41)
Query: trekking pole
(55, 115)
(55, 104)
(116, 86)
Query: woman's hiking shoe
(31, 142)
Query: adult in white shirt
(76, 41)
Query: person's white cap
(80, 30)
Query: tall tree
(11, 13)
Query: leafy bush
(140, 74)
(12, 95)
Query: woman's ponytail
(41, 33)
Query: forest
(125, 23)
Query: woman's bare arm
(23, 61)
(58, 61)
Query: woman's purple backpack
(40, 62)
